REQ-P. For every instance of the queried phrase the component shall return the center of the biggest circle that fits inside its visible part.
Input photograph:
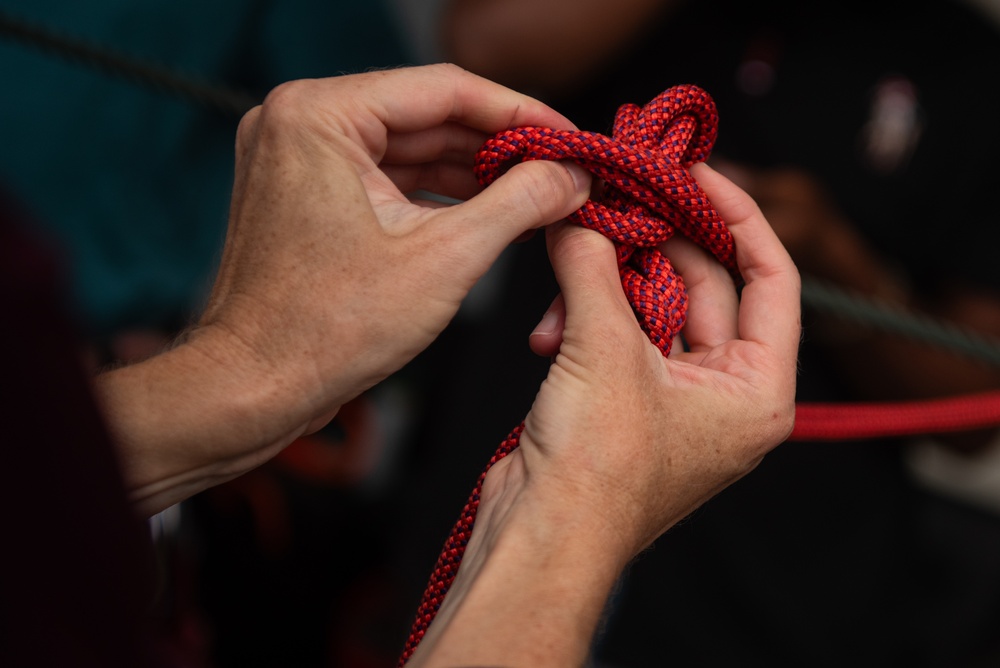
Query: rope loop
(645, 194)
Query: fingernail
(701, 166)
(581, 177)
(548, 324)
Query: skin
(552, 47)
(616, 449)
(331, 279)
(880, 367)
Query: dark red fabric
(78, 578)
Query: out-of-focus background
(866, 131)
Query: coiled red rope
(647, 196)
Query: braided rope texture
(645, 195)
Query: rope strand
(227, 101)
(649, 196)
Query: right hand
(624, 442)
(621, 443)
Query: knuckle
(583, 247)
(247, 128)
(771, 405)
(448, 69)
(284, 104)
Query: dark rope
(228, 101)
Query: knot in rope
(645, 193)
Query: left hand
(330, 273)
(331, 278)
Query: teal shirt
(132, 182)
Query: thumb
(528, 196)
(586, 268)
(546, 338)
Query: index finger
(770, 302)
(418, 98)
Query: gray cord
(888, 317)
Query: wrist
(199, 414)
(532, 586)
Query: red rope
(648, 195)
(852, 421)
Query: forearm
(192, 417)
(530, 592)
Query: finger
(450, 141)
(586, 268)
(713, 305)
(743, 177)
(547, 336)
(770, 300)
(410, 99)
(246, 133)
(449, 179)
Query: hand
(876, 365)
(621, 443)
(638, 441)
(331, 278)
(328, 266)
